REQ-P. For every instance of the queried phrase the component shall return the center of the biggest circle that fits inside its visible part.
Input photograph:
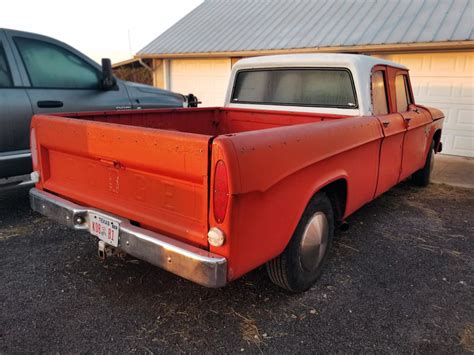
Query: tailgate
(156, 178)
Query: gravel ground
(400, 280)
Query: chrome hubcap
(314, 242)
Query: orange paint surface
(156, 168)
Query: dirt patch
(467, 338)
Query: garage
(446, 81)
(205, 78)
(434, 39)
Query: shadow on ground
(400, 280)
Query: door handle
(407, 121)
(50, 104)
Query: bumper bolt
(79, 220)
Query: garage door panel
(465, 117)
(467, 90)
(446, 81)
(450, 90)
(199, 67)
(463, 143)
(205, 78)
(443, 64)
(455, 115)
(458, 143)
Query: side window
(379, 94)
(401, 90)
(51, 66)
(5, 76)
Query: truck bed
(152, 167)
(204, 121)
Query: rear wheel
(422, 177)
(300, 264)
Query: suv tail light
(221, 191)
(33, 149)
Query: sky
(100, 29)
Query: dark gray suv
(39, 74)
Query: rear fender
(263, 222)
(322, 181)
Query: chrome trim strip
(14, 186)
(15, 156)
(189, 262)
(16, 182)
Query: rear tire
(422, 177)
(301, 263)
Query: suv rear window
(320, 87)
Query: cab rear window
(320, 87)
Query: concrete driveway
(400, 280)
(454, 171)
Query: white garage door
(205, 78)
(446, 81)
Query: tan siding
(234, 60)
(158, 73)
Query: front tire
(301, 263)
(422, 177)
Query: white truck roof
(359, 65)
(321, 59)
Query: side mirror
(108, 81)
(192, 100)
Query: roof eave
(399, 47)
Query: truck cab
(40, 75)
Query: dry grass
(467, 338)
(250, 331)
(137, 75)
(11, 232)
(19, 230)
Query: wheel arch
(337, 194)
(336, 189)
(437, 140)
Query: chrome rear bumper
(189, 262)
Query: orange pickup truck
(209, 194)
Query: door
(15, 116)
(393, 127)
(445, 81)
(60, 79)
(417, 122)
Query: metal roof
(251, 25)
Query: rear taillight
(221, 191)
(34, 149)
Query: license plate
(104, 228)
